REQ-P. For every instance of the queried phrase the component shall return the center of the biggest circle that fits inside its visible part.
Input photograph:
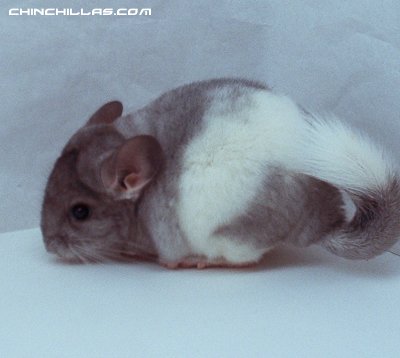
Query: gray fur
(174, 119)
(291, 208)
(111, 232)
(375, 226)
(123, 226)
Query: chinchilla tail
(335, 153)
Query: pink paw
(202, 263)
(188, 262)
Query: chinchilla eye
(80, 212)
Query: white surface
(340, 56)
(303, 303)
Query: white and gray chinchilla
(217, 173)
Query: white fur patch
(225, 165)
(337, 154)
(348, 206)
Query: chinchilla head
(89, 206)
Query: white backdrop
(337, 56)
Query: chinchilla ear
(106, 114)
(131, 167)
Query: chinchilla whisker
(77, 254)
(121, 254)
(88, 256)
(96, 257)
(394, 253)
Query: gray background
(336, 56)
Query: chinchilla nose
(50, 247)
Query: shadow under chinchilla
(287, 257)
(279, 259)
